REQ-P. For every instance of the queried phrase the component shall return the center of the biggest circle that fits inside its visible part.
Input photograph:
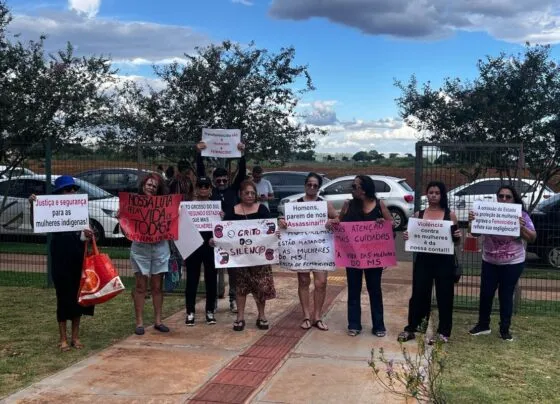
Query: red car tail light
(409, 198)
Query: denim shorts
(150, 258)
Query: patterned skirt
(256, 280)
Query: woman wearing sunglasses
(204, 254)
(364, 206)
(313, 182)
(503, 261)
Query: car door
(337, 192)
(462, 201)
(15, 215)
(382, 190)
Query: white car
(461, 199)
(395, 193)
(15, 172)
(15, 212)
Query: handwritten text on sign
(204, 213)
(149, 219)
(245, 243)
(307, 250)
(430, 236)
(496, 218)
(58, 213)
(221, 142)
(306, 216)
(364, 244)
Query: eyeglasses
(313, 186)
(70, 189)
(249, 193)
(204, 186)
(354, 186)
(505, 196)
(220, 181)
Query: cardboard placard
(60, 213)
(430, 236)
(221, 143)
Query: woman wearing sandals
(364, 206)
(67, 251)
(258, 279)
(503, 261)
(313, 182)
(430, 268)
(149, 260)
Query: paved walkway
(214, 364)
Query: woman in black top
(256, 279)
(364, 206)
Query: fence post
(516, 298)
(48, 173)
(418, 172)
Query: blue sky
(354, 48)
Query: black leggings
(203, 255)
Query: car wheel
(552, 257)
(398, 218)
(98, 231)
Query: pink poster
(364, 245)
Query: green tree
(225, 86)
(514, 99)
(308, 155)
(362, 156)
(375, 155)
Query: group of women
(502, 265)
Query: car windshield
(94, 192)
(405, 185)
(549, 203)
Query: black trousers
(231, 276)
(430, 268)
(203, 255)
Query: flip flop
(77, 345)
(64, 348)
(320, 325)
(306, 324)
(262, 324)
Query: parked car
(114, 180)
(546, 218)
(15, 217)
(16, 172)
(461, 199)
(286, 183)
(397, 195)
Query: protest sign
(430, 236)
(364, 244)
(221, 143)
(58, 213)
(306, 216)
(204, 213)
(245, 243)
(189, 238)
(496, 218)
(149, 219)
(307, 250)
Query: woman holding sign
(150, 260)
(503, 261)
(313, 182)
(258, 279)
(364, 206)
(430, 268)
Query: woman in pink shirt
(503, 261)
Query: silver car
(395, 193)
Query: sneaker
(506, 335)
(190, 319)
(210, 319)
(406, 336)
(438, 337)
(233, 306)
(479, 330)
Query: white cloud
(510, 20)
(244, 2)
(88, 7)
(135, 42)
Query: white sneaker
(190, 319)
(210, 319)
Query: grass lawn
(29, 332)
(485, 369)
(10, 247)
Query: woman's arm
(527, 229)
(344, 210)
(457, 233)
(331, 211)
(385, 211)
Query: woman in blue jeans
(503, 261)
(364, 206)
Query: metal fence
(474, 172)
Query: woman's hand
(32, 198)
(222, 214)
(277, 232)
(471, 216)
(522, 221)
(88, 233)
(241, 147)
(282, 223)
(457, 235)
(330, 223)
(405, 235)
(200, 146)
(212, 243)
(380, 220)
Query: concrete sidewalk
(214, 364)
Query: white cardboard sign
(496, 218)
(221, 143)
(204, 213)
(306, 216)
(245, 243)
(307, 250)
(59, 213)
(429, 236)
(189, 238)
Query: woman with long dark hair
(429, 268)
(364, 206)
(503, 261)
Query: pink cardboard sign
(364, 245)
